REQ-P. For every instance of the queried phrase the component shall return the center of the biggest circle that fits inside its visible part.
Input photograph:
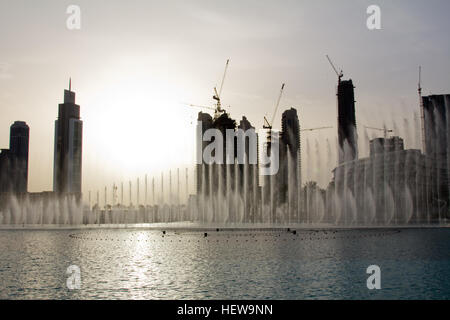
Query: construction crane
(217, 95)
(339, 74)
(199, 106)
(223, 78)
(267, 124)
(218, 105)
(312, 129)
(386, 131)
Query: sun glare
(141, 126)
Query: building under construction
(289, 173)
(217, 180)
(347, 135)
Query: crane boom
(276, 106)
(386, 131)
(223, 78)
(216, 95)
(339, 74)
(199, 106)
(312, 129)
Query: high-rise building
(14, 161)
(248, 174)
(383, 145)
(5, 171)
(234, 171)
(219, 171)
(436, 112)
(347, 135)
(202, 181)
(19, 146)
(289, 181)
(68, 146)
(208, 173)
(290, 134)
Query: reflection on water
(238, 264)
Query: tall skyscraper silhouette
(289, 172)
(19, 145)
(14, 161)
(437, 140)
(248, 174)
(202, 169)
(68, 146)
(347, 136)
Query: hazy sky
(133, 63)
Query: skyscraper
(347, 136)
(68, 146)
(436, 111)
(14, 161)
(202, 181)
(5, 171)
(19, 145)
(219, 171)
(248, 175)
(289, 173)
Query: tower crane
(267, 124)
(386, 131)
(218, 105)
(339, 74)
(216, 95)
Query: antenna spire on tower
(70, 83)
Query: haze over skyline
(132, 66)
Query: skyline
(110, 82)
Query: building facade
(68, 147)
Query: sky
(136, 64)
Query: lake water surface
(138, 263)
